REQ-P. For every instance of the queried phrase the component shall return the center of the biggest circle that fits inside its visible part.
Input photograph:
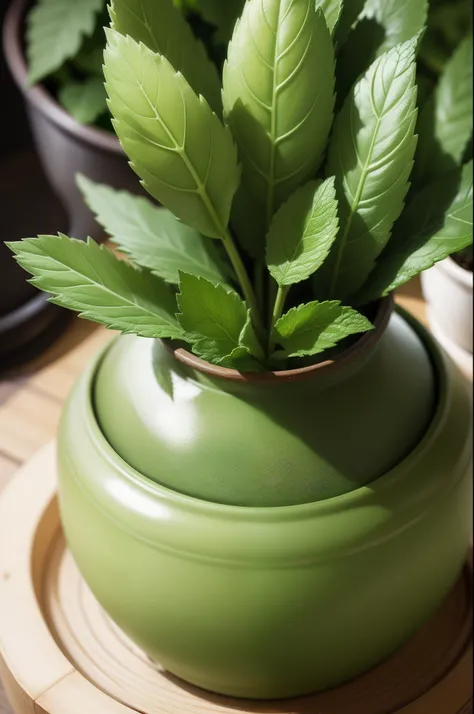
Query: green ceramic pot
(270, 600)
(268, 440)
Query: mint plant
(284, 218)
(65, 43)
(449, 22)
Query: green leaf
(446, 122)
(448, 24)
(249, 340)
(55, 31)
(152, 236)
(163, 29)
(90, 57)
(187, 5)
(401, 20)
(212, 317)
(241, 360)
(332, 12)
(279, 96)
(371, 155)
(302, 233)
(437, 224)
(248, 222)
(382, 25)
(425, 90)
(88, 278)
(249, 356)
(351, 9)
(85, 101)
(223, 15)
(468, 153)
(163, 375)
(318, 326)
(186, 159)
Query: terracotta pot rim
(365, 344)
(38, 95)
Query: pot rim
(384, 485)
(38, 95)
(457, 272)
(356, 352)
(27, 309)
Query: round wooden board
(62, 655)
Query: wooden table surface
(31, 403)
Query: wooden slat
(4, 706)
(77, 360)
(8, 467)
(31, 402)
(27, 421)
(56, 371)
(410, 297)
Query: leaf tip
(82, 182)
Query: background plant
(279, 220)
(449, 22)
(65, 43)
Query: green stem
(272, 294)
(259, 279)
(246, 285)
(277, 311)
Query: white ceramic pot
(447, 289)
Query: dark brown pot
(65, 147)
(28, 322)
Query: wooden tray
(62, 655)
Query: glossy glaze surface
(256, 444)
(270, 602)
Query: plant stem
(246, 285)
(272, 295)
(259, 279)
(277, 311)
